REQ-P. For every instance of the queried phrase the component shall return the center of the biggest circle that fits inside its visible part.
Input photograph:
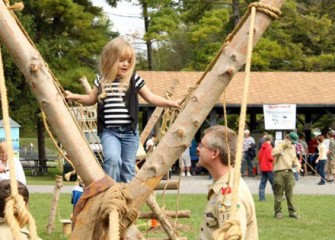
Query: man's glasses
(201, 145)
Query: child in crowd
(5, 192)
(185, 163)
(116, 92)
(77, 191)
(4, 165)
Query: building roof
(301, 88)
(12, 123)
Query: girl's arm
(86, 99)
(156, 100)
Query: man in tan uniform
(213, 155)
(286, 162)
(5, 191)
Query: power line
(124, 16)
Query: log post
(156, 114)
(171, 214)
(232, 58)
(53, 210)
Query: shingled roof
(301, 88)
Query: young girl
(116, 91)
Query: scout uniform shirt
(6, 234)
(218, 206)
(285, 156)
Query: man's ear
(216, 153)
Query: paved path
(198, 184)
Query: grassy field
(316, 211)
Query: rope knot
(231, 230)
(117, 200)
(16, 208)
(16, 6)
(272, 12)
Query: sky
(126, 17)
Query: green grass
(48, 179)
(25, 142)
(316, 211)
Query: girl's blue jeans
(120, 146)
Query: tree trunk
(146, 27)
(40, 80)
(42, 157)
(236, 11)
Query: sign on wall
(279, 116)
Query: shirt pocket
(210, 220)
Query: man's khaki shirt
(6, 234)
(285, 156)
(219, 203)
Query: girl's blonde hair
(109, 63)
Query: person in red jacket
(266, 166)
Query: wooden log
(41, 82)
(87, 87)
(168, 185)
(179, 238)
(171, 214)
(156, 114)
(180, 134)
(161, 217)
(55, 199)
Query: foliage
(301, 40)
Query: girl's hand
(176, 104)
(69, 95)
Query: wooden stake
(58, 186)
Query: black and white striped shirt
(115, 111)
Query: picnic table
(30, 160)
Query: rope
(231, 229)
(16, 213)
(61, 152)
(117, 204)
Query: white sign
(280, 116)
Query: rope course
(115, 204)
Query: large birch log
(39, 78)
(155, 116)
(204, 98)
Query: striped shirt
(114, 107)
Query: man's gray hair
(217, 140)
